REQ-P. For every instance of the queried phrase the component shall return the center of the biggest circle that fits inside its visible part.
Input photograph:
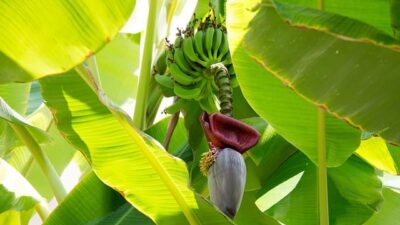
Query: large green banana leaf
(373, 12)
(15, 191)
(389, 214)
(354, 194)
(123, 158)
(92, 202)
(290, 115)
(49, 37)
(327, 59)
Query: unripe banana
(181, 77)
(198, 44)
(175, 107)
(189, 51)
(208, 40)
(166, 84)
(161, 63)
(226, 181)
(191, 92)
(164, 80)
(178, 42)
(170, 57)
(183, 64)
(218, 35)
(223, 48)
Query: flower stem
(145, 68)
(221, 76)
(322, 171)
(44, 163)
(171, 127)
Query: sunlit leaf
(15, 191)
(376, 153)
(58, 34)
(152, 180)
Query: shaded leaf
(328, 53)
(289, 114)
(90, 200)
(390, 210)
(354, 195)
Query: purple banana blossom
(224, 131)
(228, 138)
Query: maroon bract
(223, 131)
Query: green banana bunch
(189, 59)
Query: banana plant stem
(322, 171)
(145, 68)
(44, 163)
(42, 211)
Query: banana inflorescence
(190, 59)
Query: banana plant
(199, 112)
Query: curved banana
(189, 51)
(165, 81)
(181, 77)
(198, 44)
(179, 58)
(178, 42)
(166, 84)
(208, 40)
(224, 47)
(188, 92)
(218, 34)
(175, 107)
(170, 57)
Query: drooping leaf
(293, 117)
(16, 96)
(327, 59)
(58, 34)
(152, 180)
(9, 115)
(15, 191)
